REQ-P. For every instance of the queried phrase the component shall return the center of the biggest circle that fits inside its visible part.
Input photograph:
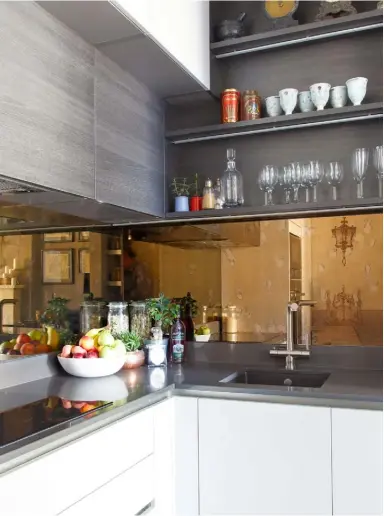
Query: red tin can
(230, 104)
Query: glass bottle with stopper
(232, 183)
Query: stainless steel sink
(284, 378)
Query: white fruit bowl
(92, 367)
(202, 338)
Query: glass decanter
(232, 183)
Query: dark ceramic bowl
(229, 29)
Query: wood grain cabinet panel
(46, 101)
(129, 141)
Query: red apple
(78, 350)
(87, 343)
(66, 351)
(23, 338)
(78, 404)
(78, 355)
(93, 354)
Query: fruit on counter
(120, 347)
(53, 338)
(29, 348)
(78, 352)
(41, 348)
(105, 338)
(203, 330)
(93, 354)
(5, 347)
(14, 352)
(23, 338)
(66, 404)
(66, 352)
(78, 404)
(108, 352)
(87, 343)
(95, 331)
(35, 335)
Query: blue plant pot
(181, 203)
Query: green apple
(108, 352)
(120, 347)
(105, 339)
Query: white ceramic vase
(320, 94)
(357, 89)
(339, 96)
(288, 100)
(305, 102)
(272, 105)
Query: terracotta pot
(134, 359)
(194, 203)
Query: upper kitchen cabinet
(129, 141)
(46, 106)
(180, 27)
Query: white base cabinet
(357, 462)
(263, 458)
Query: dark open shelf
(278, 211)
(299, 34)
(347, 114)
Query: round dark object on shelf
(230, 29)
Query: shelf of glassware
(276, 211)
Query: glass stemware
(359, 167)
(297, 178)
(378, 164)
(334, 175)
(315, 174)
(268, 178)
(285, 180)
(306, 181)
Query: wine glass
(297, 178)
(334, 175)
(268, 178)
(378, 164)
(306, 181)
(285, 180)
(359, 167)
(315, 174)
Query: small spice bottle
(250, 105)
(208, 196)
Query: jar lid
(208, 183)
(117, 304)
(93, 303)
(137, 303)
(230, 90)
(251, 92)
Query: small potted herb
(180, 190)
(196, 200)
(134, 354)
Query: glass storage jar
(118, 319)
(139, 319)
(231, 319)
(93, 314)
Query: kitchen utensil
(288, 100)
(334, 175)
(268, 178)
(357, 89)
(91, 367)
(320, 94)
(360, 159)
(378, 164)
(305, 102)
(272, 105)
(229, 29)
(339, 97)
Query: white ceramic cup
(305, 102)
(357, 89)
(272, 105)
(288, 100)
(339, 97)
(320, 94)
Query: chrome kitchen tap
(291, 351)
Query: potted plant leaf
(134, 353)
(195, 200)
(180, 190)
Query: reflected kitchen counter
(134, 390)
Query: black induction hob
(28, 423)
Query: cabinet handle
(146, 509)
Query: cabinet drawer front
(127, 494)
(92, 460)
(357, 461)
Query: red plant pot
(194, 203)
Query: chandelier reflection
(344, 235)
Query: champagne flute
(285, 180)
(297, 178)
(378, 164)
(268, 178)
(306, 181)
(334, 175)
(315, 174)
(359, 167)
